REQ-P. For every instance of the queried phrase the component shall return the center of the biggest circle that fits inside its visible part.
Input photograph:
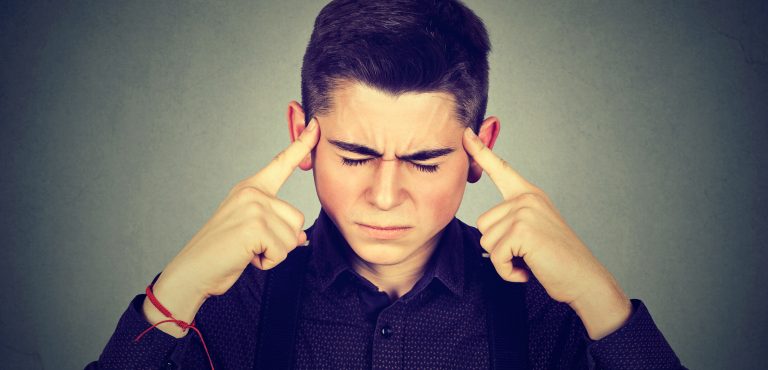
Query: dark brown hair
(398, 46)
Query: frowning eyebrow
(421, 155)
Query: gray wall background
(124, 124)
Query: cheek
(442, 198)
(334, 183)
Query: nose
(386, 191)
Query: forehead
(366, 114)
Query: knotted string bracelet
(170, 317)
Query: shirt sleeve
(229, 323)
(638, 344)
(156, 349)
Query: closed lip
(397, 227)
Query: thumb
(517, 275)
(515, 271)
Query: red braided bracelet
(180, 323)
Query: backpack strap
(507, 320)
(280, 305)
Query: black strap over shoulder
(507, 320)
(280, 311)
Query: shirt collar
(330, 252)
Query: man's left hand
(526, 225)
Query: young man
(394, 96)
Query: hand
(527, 225)
(250, 226)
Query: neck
(397, 280)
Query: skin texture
(385, 190)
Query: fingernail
(471, 135)
(312, 124)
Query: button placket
(387, 336)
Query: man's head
(393, 84)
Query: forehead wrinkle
(384, 144)
(371, 129)
(418, 155)
(351, 122)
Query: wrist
(182, 302)
(603, 311)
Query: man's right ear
(296, 125)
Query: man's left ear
(296, 125)
(489, 131)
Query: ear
(297, 124)
(488, 132)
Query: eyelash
(421, 167)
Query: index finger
(507, 180)
(274, 175)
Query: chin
(380, 253)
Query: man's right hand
(250, 226)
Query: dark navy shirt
(346, 323)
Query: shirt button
(170, 365)
(386, 331)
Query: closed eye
(354, 162)
(421, 167)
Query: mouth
(384, 232)
(397, 227)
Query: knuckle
(254, 210)
(530, 199)
(537, 195)
(297, 228)
(238, 188)
(249, 194)
(493, 256)
(484, 240)
(523, 212)
(235, 188)
(295, 217)
(545, 197)
(482, 223)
